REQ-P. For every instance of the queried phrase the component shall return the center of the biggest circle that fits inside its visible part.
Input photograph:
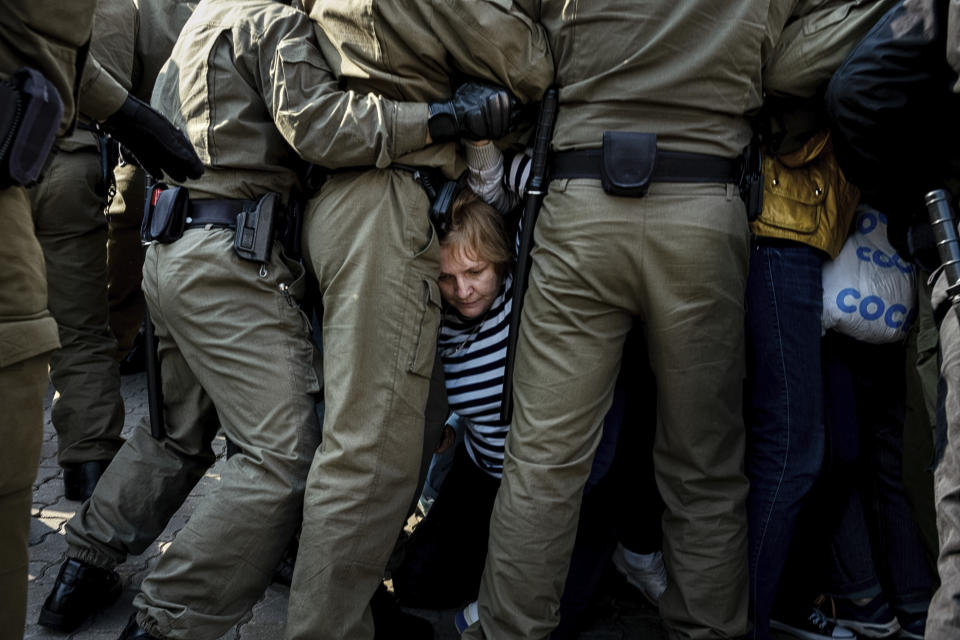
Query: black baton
(531, 208)
(944, 225)
(154, 386)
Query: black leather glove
(477, 111)
(156, 144)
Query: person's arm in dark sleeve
(158, 146)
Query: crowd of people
(642, 283)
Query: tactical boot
(133, 631)
(283, 574)
(392, 623)
(80, 591)
(79, 480)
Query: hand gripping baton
(531, 208)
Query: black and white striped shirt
(474, 353)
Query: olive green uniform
(141, 46)
(368, 240)
(125, 256)
(68, 211)
(677, 260)
(943, 620)
(31, 34)
(252, 92)
(953, 40)
(68, 208)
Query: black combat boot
(133, 631)
(80, 591)
(392, 623)
(283, 574)
(80, 479)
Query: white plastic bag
(869, 292)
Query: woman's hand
(449, 437)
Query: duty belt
(670, 166)
(222, 213)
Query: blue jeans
(877, 546)
(784, 407)
(440, 463)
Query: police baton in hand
(154, 388)
(536, 188)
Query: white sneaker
(466, 617)
(645, 571)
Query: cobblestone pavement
(621, 613)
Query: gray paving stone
(48, 492)
(48, 449)
(49, 546)
(46, 473)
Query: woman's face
(469, 286)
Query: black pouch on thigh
(627, 162)
(30, 113)
(169, 215)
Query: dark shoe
(133, 631)
(79, 480)
(912, 626)
(136, 359)
(873, 619)
(392, 623)
(811, 626)
(80, 591)
(283, 574)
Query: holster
(627, 162)
(441, 206)
(292, 238)
(751, 184)
(30, 113)
(440, 191)
(255, 228)
(109, 156)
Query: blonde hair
(476, 230)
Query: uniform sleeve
(485, 175)
(953, 40)
(159, 23)
(327, 125)
(100, 94)
(815, 42)
(496, 40)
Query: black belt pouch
(32, 110)
(627, 162)
(169, 215)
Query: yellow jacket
(806, 197)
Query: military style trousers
(125, 256)
(87, 410)
(943, 617)
(369, 242)
(235, 353)
(677, 259)
(27, 335)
